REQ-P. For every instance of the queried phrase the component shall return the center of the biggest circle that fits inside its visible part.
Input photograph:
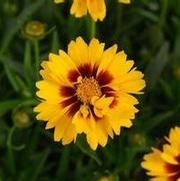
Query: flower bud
(105, 179)
(34, 30)
(138, 139)
(177, 72)
(21, 119)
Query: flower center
(88, 88)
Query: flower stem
(87, 151)
(27, 64)
(37, 57)
(10, 151)
(163, 14)
(92, 28)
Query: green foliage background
(149, 32)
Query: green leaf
(11, 76)
(148, 14)
(20, 20)
(156, 66)
(63, 164)
(87, 151)
(32, 171)
(55, 42)
(14, 104)
(28, 70)
(8, 105)
(157, 120)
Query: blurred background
(149, 32)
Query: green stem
(63, 164)
(163, 14)
(92, 28)
(37, 57)
(87, 151)
(10, 151)
(27, 64)
(9, 141)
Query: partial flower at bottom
(96, 8)
(164, 165)
(88, 90)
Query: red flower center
(174, 170)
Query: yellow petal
(131, 76)
(171, 150)
(84, 111)
(132, 86)
(118, 65)
(122, 110)
(80, 123)
(107, 126)
(95, 51)
(101, 106)
(154, 162)
(106, 58)
(53, 121)
(79, 8)
(46, 88)
(174, 136)
(78, 51)
(101, 133)
(61, 65)
(46, 110)
(116, 124)
(169, 158)
(69, 135)
(127, 98)
(63, 129)
(92, 141)
(97, 9)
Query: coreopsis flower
(96, 8)
(88, 90)
(164, 165)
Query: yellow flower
(96, 8)
(88, 90)
(164, 165)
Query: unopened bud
(21, 119)
(34, 30)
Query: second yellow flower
(96, 8)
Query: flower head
(34, 30)
(96, 8)
(88, 90)
(164, 165)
